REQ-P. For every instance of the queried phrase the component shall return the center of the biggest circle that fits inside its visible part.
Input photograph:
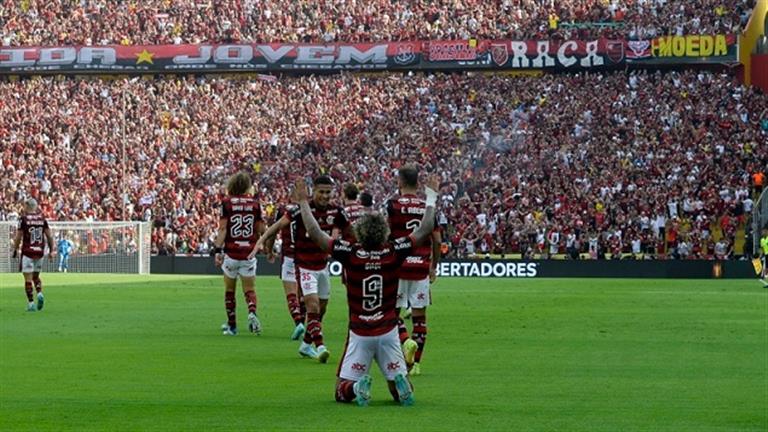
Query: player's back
(307, 254)
(353, 212)
(286, 234)
(404, 214)
(33, 226)
(243, 213)
(371, 280)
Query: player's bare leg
(358, 391)
(254, 325)
(401, 390)
(28, 284)
(294, 308)
(230, 327)
(419, 319)
(39, 289)
(314, 332)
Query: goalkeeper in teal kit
(64, 247)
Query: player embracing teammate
(404, 213)
(311, 262)
(371, 265)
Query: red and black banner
(427, 55)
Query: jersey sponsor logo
(414, 260)
(362, 254)
(370, 318)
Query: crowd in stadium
(101, 22)
(658, 163)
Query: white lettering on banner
(57, 56)
(225, 54)
(315, 54)
(592, 59)
(204, 54)
(335, 268)
(375, 54)
(519, 51)
(567, 60)
(87, 55)
(486, 269)
(274, 55)
(544, 59)
(16, 57)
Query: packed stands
(103, 22)
(651, 162)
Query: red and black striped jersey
(353, 212)
(307, 254)
(286, 250)
(33, 228)
(371, 281)
(404, 214)
(243, 213)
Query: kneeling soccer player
(371, 266)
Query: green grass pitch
(145, 353)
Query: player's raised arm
(301, 197)
(428, 220)
(269, 235)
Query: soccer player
(311, 262)
(64, 248)
(240, 225)
(371, 263)
(295, 302)
(32, 234)
(419, 270)
(353, 208)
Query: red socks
(28, 289)
(250, 298)
(345, 391)
(229, 304)
(419, 335)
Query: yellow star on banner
(144, 57)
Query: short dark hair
(371, 230)
(409, 174)
(366, 199)
(323, 180)
(239, 183)
(351, 191)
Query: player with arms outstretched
(32, 235)
(371, 264)
(240, 225)
(312, 273)
(418, 271)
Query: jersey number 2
(373, 292)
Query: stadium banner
(491, 55)
(690, 49)
(432, 55)
(509, 269)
